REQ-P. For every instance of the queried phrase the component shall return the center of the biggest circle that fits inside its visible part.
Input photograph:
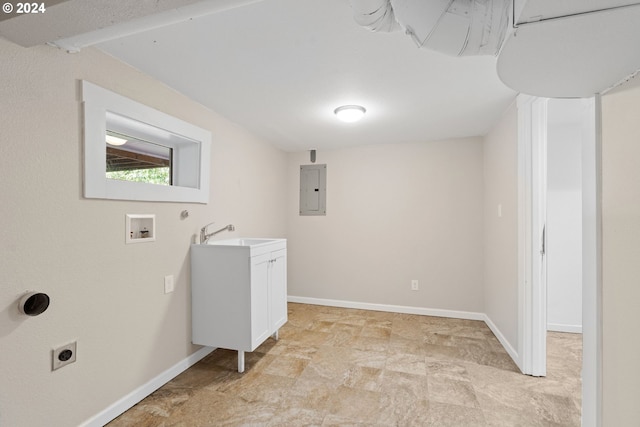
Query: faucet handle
(203, 233)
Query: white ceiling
(280, 67)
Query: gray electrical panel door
(313, 190)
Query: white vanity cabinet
(239, 293)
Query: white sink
(242, 241)
(252, 246)
(238, 292)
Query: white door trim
(591, 265)
(529, 299)
(532, 289)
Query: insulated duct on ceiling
(452, 27)
(375, 15)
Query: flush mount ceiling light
(114, 140)
(350, 113)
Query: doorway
(533, 138)
(564, 215)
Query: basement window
(134, 152)
(133, 159)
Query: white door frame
(591, 265)
(532, 197)
(532, 116)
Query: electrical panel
(313, 190)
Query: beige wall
(501, 233)
(395, 213)
(621, 254)
(106, 295)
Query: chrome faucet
(204, 236)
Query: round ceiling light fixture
(114, 140)
(350, 113)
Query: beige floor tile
(403, 399)
(445, 415)
(210, 408)
(346, 367)
(340, 339)
(447, 369)
(360, 406)
(266, 388)
(320, 326)
(380, 345)
(405, 386)
(363, 378)
(338, 421)
(399, 344)
(358, 319)
(288, 417)
(445, 389)
(285, 366)
(407, 363)
(396, 411)
(371, 359)
(376, 332)
(294, 350)
(378, 322)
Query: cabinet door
(278, 286)
(260, 327)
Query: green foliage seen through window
(159, 176)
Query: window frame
(191, 145)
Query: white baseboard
(469, 315)
(507, 346)
(572, 329)
(145, 390)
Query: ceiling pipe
(375, 15)
(452, 27)
(124, 18)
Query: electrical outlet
(62, 356)
(168, 284)
(414, 285)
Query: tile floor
(345, 367)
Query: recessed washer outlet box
(140, 228)
(62, 356)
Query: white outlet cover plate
(168, 284)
